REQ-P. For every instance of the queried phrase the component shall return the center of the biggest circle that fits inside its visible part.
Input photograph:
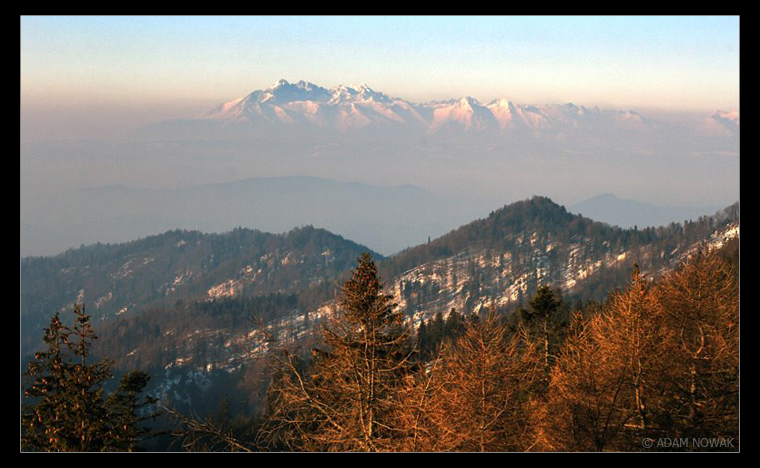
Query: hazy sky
(84, 79)
(133, 70)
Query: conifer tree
(455, 325)
(542, 319)
(345, 402)
(43, 425)
(126, 413)
(423, 340)
(67, 409)
(89, 415)
(68, 414)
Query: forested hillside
(158, 271)
(653, 368)
(210, 316)
(501, 260)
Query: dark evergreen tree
(67, 411)
(127, 412)
(43, 424)
(423, 340)
(435, 328)
(455, 325)
(68, 414)
(542, 319)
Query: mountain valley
(202, 311)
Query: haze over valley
(296, 154)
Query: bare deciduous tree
(477, 393)
(700, 304)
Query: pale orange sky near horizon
(109, 73)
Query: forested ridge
(651, 360)
(658, 361)
(156, 272)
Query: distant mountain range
(610, 209)
(313, 110)
(387, 218)
(724, 124)
(468, 156)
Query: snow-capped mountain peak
(281, 82)
(468, 101)
(357, 93)
(721, 124)
(732, 116)
(466, 113)
(346, 107)
(503, 111)
(284, 92)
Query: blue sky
(189, 63)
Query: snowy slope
(356, 106)
(304, 109)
